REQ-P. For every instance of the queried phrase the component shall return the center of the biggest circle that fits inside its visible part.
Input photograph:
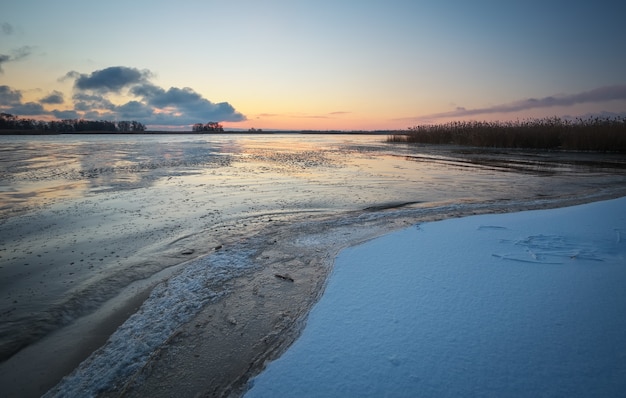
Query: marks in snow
(550, 249)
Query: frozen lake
(86, 219)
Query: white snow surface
(529, 304)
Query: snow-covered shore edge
(513, 304)
(347, 232)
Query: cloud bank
(56, 97)
(11, 102)
(598, 95)
(92, 92)
(112, 79)
(150, 105)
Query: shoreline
(73, 344)
(287, 206)
(229, 341)
(499, 304)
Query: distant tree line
(210, 127)
(12, 122)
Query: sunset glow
(323, 65)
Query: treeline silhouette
(592, 134)
(212, 127)
(14, 123)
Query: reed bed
(592, 134)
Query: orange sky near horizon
(326, 65)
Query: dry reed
(592, 134)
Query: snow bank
(525, 304)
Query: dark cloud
(189, 103)
(112, 79)
(147, 90)
(135, 110)
(598, 95)
(26, 109)
(601, 94)
(179, 97)
(65, 114)
(56, 97)
(591, 115)
(88, 102)
(153, 104)
(9, 96)
(95, 115)
(11, 102)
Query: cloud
(16, 55)
(135, 110)
(25, 109)
(157, 96)
(56, 97)
(9, 96)
(147, 90)
(21, 52)
(95, 115)
(89, 102)
(151, 105)
(601, 114)
(3, 60)
(71, 75)
(7, 28)
(598, 95)
(11, 102)
(29, 108)
(112, 79)
(65, 114)
(191, 105)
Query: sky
(320, 65)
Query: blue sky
(311, 64)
